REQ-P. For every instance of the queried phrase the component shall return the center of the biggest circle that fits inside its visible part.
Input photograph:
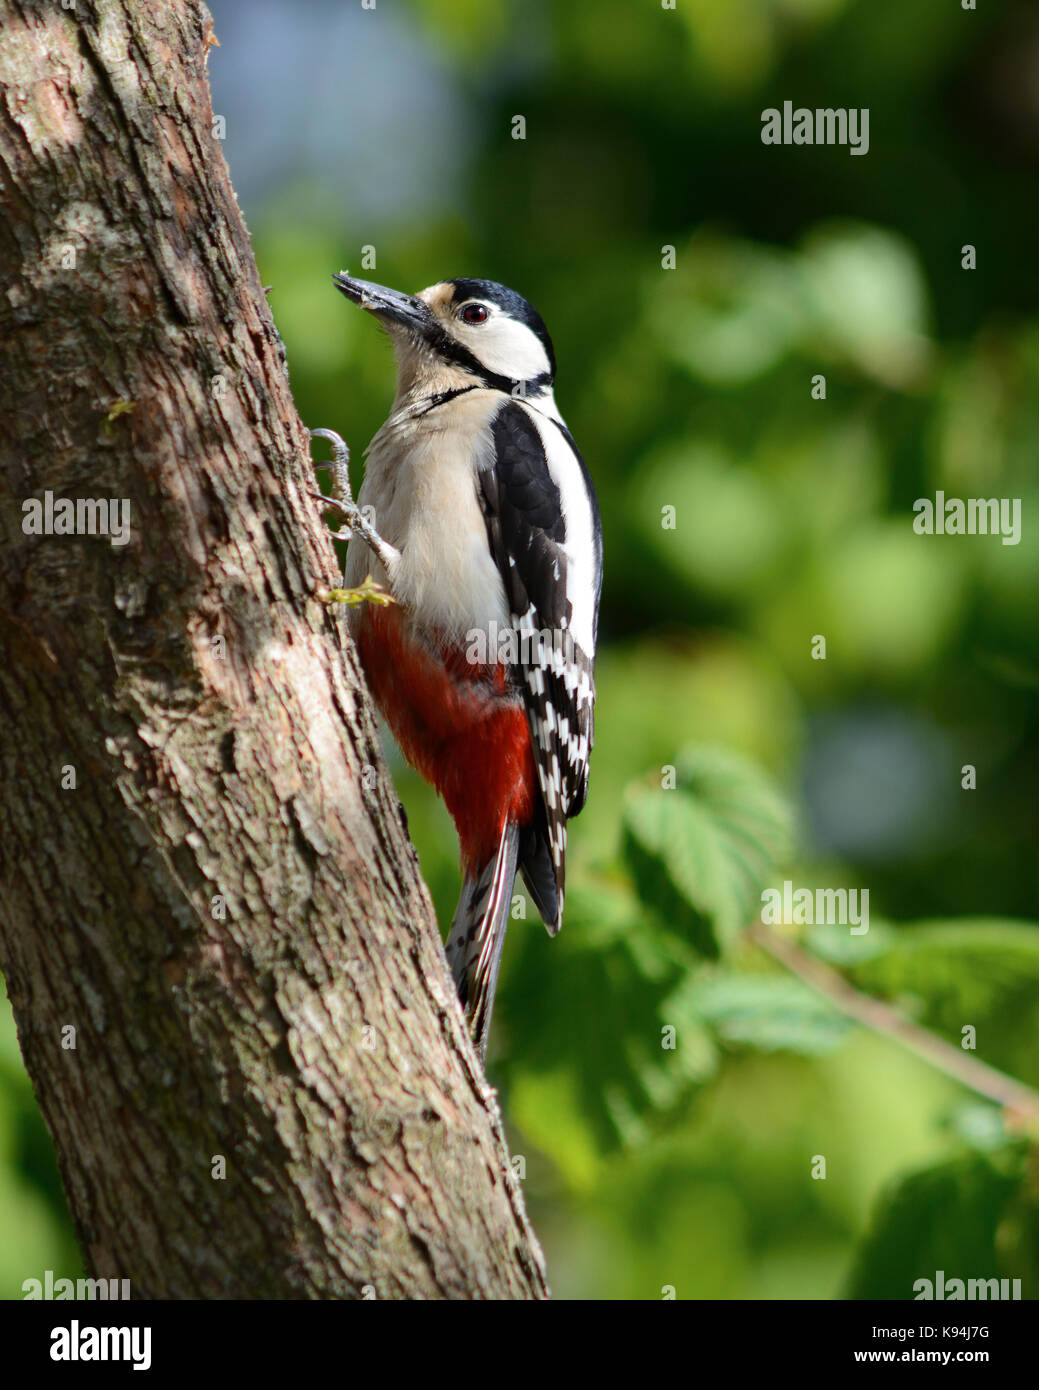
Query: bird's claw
(340, 465)
(342, 501)
(346, 507)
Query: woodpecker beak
(389, 305)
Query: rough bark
(309, 1034)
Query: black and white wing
(546, 539)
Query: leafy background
(690, 1166)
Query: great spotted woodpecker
(479, 517)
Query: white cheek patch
(504, 347)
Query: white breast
(420, 485)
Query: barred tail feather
(474, 944)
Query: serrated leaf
(977, 972)
(842, 949)
(675, 857)
(702, 851)
(768, 1012)
(593, 997)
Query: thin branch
(1021, 1100)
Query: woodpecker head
(461, 333)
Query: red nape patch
(458, 725)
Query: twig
(1018, 1098)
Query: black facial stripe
(451, 351)
(442, 397)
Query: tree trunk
(224, 965)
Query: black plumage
(526, 530)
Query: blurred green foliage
(34, 1224)
(690, 389)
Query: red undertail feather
(458, 724)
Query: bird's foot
(342, 501)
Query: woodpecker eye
(473, 313)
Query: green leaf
(702, 851)
(977, 972)
(768, 1012)
(735, 310)
(979, 1126)
(945, 1218)
(595, 1004)
(617, 998)
(869, 298)
(844, 950)
(732, 537)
